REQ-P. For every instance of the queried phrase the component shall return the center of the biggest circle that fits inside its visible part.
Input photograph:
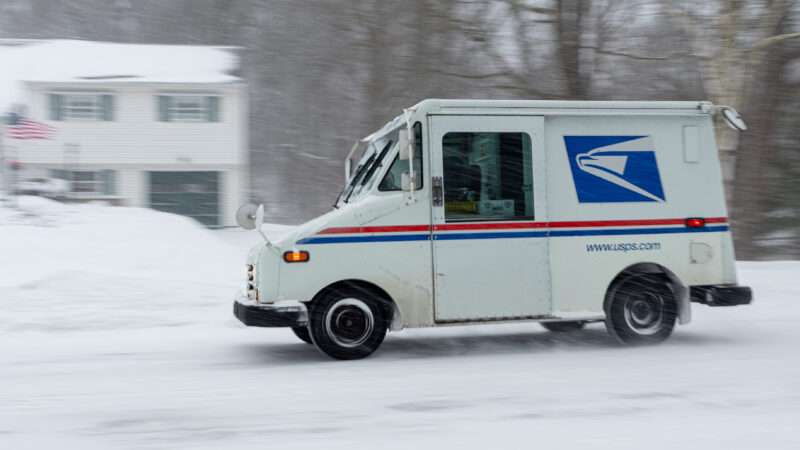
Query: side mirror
(405, 181)
(733, 119)
(251, 217)
(404, 145)
(246, 216)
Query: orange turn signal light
(296, 256)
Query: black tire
(302, 333)
(348, 323)
(563, 327)
(641, 309)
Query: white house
(159, 126)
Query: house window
(82, 106)
(188, 108)
(88, 182)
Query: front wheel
(641, 309)
(347, 324)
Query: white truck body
(603, 187)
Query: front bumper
(279, 314)
(721, 295)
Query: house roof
(76, 61)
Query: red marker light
(695, 222)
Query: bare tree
(742, 50)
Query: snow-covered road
(139, 350)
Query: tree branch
(527, 90)
(531, 8)
(602, 51)
(772, 40)
(538, 10)
(481, 76)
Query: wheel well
(679, 290)
(374, 291)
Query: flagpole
(4, 169)
(11, 197)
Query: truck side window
(391, 181)
(487, 176)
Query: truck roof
(548, 108)
(450, 106)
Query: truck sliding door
(490, 248)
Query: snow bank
(77, 61)
(89, 267)
(45, 239)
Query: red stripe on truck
(513, 225)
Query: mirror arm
(407, 116)
(266, 239)
(259, 222)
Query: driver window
(393, 178)
(487, 176)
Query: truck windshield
(364, 175)
(355, 182)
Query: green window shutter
(109, 182)
(163, 108)
(108, 107)
(55, 107)
(213, 109)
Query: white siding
(135, 136)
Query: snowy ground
(116, 332)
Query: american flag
(23, 128)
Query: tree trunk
(755, 149)
(569, 28)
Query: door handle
(437, 192)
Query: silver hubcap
(349, 322)
(644, 313)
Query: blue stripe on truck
(506, 235)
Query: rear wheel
(641, 309)
(347, 324)
(302, 333)
(563, 327)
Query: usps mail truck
(484, 211)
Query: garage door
(192, 194)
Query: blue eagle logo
(609, 169)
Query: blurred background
(115, 322)
(320, 74)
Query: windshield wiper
(336, 202)
(357, 177)
(376, 164)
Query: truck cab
(482, 211)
